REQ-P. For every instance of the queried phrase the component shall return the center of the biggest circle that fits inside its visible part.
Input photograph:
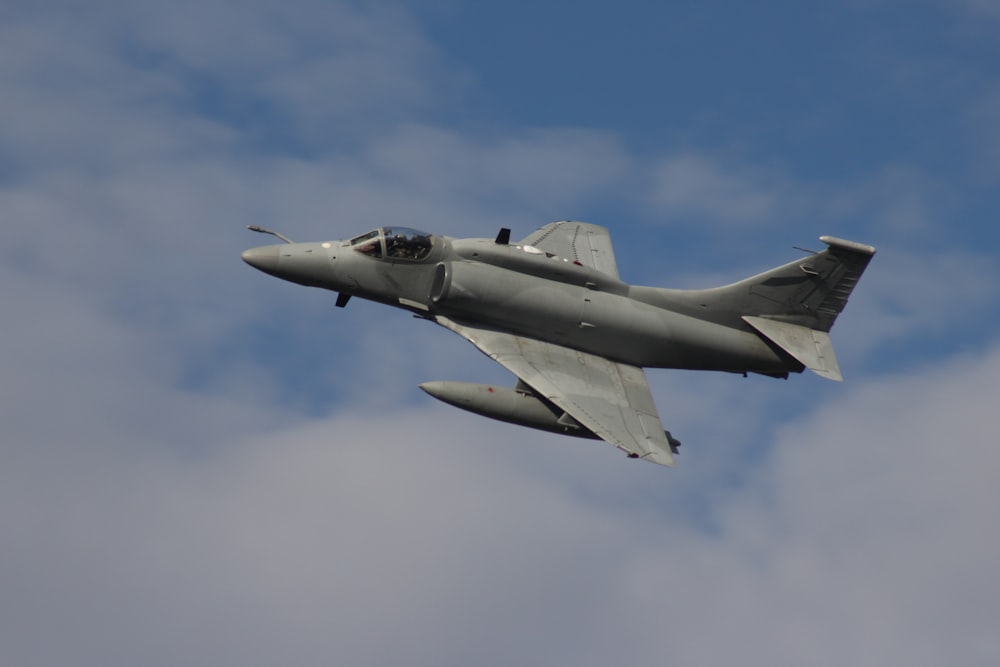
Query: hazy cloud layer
(434, 538)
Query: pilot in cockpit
(400, 243)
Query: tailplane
(810, 347)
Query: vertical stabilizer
(795, 306)
(810, 292)
(813, 291)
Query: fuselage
(525, 291)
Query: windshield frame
(404, 244)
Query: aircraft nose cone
(264, 258)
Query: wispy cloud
(694, 188)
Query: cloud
(206, 535)
(318, 64)
(143, 83)
(695, 187)
(989, 8)
(983, 135)
(526, 171)
(906, 296)
(896, 202)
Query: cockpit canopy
(394, 243)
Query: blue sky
(203, 465)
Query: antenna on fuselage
(503, 238)
(261, 230)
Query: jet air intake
(507, 404)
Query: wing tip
(656, 456)
(661, 458)
(851, 246)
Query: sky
(202, 465)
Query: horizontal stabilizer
(810, 347)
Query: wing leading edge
(611, 399)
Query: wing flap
(611, 399)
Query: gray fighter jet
(552, 310)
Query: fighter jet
(552, 310)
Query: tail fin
(795, 305)
(810, 292)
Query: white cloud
(908, 296)
(693, 188)
(898, 201)
(461, 539)
(529, 171)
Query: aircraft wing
(610, 399)
(581, 241)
